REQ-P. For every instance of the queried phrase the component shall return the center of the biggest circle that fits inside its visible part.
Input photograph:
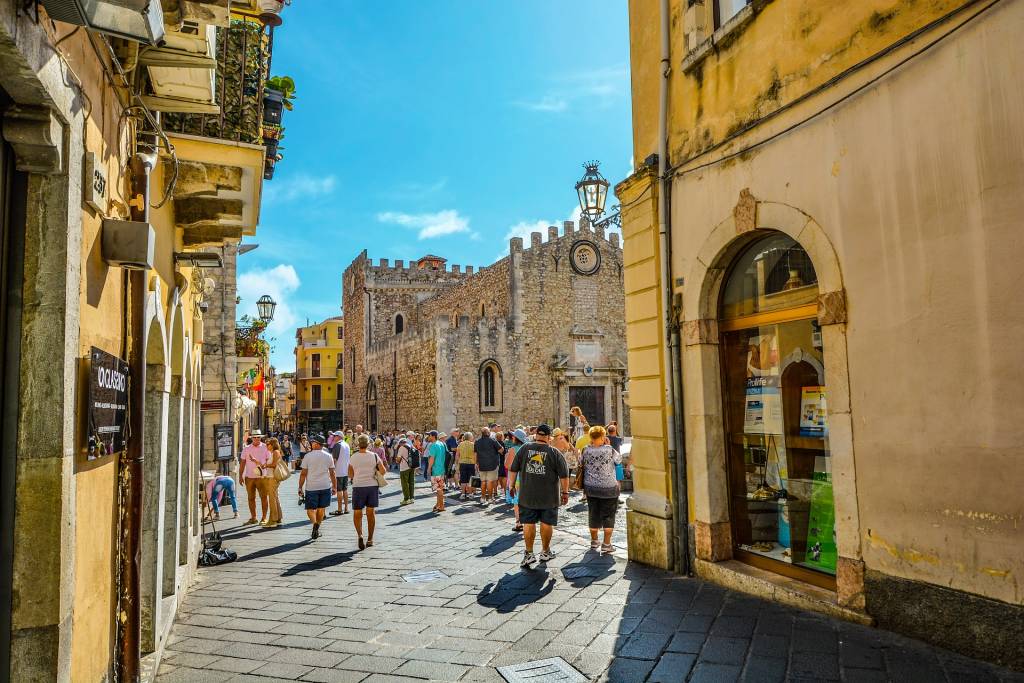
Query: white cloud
(298, 187)
(447, 222)
(548, 103)
(280, 282)
(524, 228)
(601, 87)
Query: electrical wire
(677, 170)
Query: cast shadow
(325, 562)
(499, 545)
(270, 552)
(589, 569)
(418, 518)
(516, 590)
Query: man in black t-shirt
(489, 454)
(542, 477)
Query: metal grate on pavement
(554, 670)
(425, 576)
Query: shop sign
(224, 438)
(108, 403)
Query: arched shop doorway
(779, 472)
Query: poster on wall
(813, 414)
(224, 438)
(108, 403)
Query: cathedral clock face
(585, 257)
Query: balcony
(307, 373)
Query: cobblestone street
(295, 609)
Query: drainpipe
(130, 598)
(674, 438)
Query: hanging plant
(284, 85)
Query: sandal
(362, 544)
(336, 513)
(517, 527)
(369, 544)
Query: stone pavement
(291, 609)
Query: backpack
(413, 455)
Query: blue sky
(430, 126)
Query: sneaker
(546, 555)
(463, 497)
(607, 549)
(529, 559)
(316, 532)
(405, 502)
(595, 544)
(482, 503)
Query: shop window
(780, 482)
(490, 387)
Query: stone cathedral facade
(428, 345)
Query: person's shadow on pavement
(516, 590)
(325, 562)
(588, 570)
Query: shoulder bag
(381, 481)
(281, 471)
(578, 483)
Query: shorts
(488, 475)
(601, 512)
(466, 472)
(343, 483)
(502, 471)
(365, 497)
(547, 516)
(316, 500)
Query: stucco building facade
(429, 345)
(319, 376)
(821, 353)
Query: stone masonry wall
(411, 362)
(490, 288)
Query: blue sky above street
(440, 127)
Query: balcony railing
(243, 66)
(307, 373)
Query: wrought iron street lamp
(265, 305)
(592, 190)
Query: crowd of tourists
(528, 470)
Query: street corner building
(834, 312)
(117, 205)
(522, 340)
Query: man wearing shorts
(488, 458)
(341, 453)
(467, 464)
(541, 476)
(436, 462)
(320, 482)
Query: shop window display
(780, 482)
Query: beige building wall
(903, 183)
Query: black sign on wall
(108, 403)
(224, 438)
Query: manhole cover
(554, 670)
(579, 572)
(425, 576)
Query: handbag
(381, 480)
(578, 483)
(281, 471)
(475, 482)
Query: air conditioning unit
(138, 20)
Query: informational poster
(224, 438)
(821, 527)
(762, 412)
(813, 414)
(108, 403)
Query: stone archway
(172, 459)
(705, 440)
(155, 407)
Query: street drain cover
(554, 670)
(425, 576)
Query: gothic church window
(490, 387)
(399, 324)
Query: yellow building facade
(319, 374)
(107, 241)
(819, 253)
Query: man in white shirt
(341, 452)
(407, 457)
(318, 477)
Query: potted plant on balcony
(272, 136)
(277, 96)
